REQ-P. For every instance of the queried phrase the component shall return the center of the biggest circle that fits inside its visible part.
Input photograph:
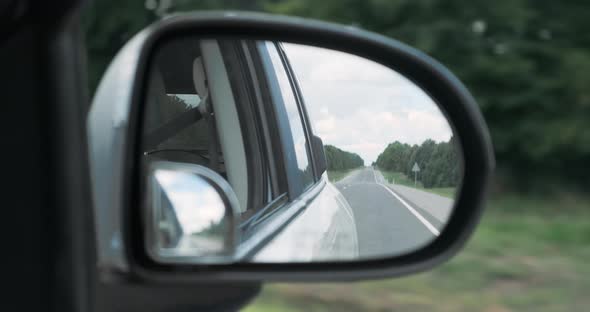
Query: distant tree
(439, 163)
(338, 159)
(527, 62)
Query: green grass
(449, 192)
(526, 255)
(337, 175)
(402, 179)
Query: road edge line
(428, 225)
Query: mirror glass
(188, 219)
(332, 157)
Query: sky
(195, 203)
(361, 106)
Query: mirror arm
(319, 154)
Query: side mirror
(319, 154)
(192, 214)
(205, 166)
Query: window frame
(296, 188)
(302, 110)
(244, 96)
(292, 198)
(270, 143)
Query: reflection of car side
(235, 107)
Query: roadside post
(416, 169)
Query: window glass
(190, 143)
(174, 128)
(294, 117)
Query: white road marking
(429, 226)
(420, 218)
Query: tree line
(338, 159)
(440, 165)
(525, 61)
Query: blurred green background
(527, 62)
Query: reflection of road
(386, 223)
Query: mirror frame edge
(449, 93)
(222, 189)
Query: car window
(192, 143)
(300, 144)
(191, 115)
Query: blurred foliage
(338, 159)
(525, 256)
(527, 62)
(438, 163)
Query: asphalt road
(386, 223)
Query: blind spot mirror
(191, 214)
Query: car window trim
(248, 226)
(301, 108)
(267, 113)
(280, 122)
(265, 224)
(246, 101)
(275, 156)
(268, 229)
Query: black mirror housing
(114, 124)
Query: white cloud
(361, 106)
(196, 204)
